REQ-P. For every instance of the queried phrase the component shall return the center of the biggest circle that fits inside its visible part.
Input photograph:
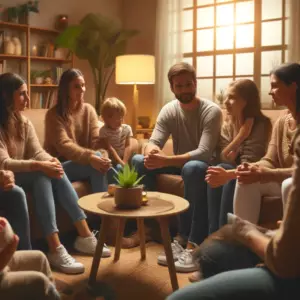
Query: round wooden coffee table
(159, 206)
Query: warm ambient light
(135, 69)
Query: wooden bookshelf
(54, 59)
(26, 60)
(8, 56)
(44, 85)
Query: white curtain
(294, 31)
(168, 47)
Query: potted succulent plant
(128, 193)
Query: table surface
(90, 203)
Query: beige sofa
(271, 207)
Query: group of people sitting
(226, 165)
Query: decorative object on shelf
(12, 14)
(37, 76)
(34, 50)
(18, 45)
(48, 80)
(24, 11)
(221, 97)
(2, 10)
(135, 69)
(144, 121)
(128, 193)
(1, 41)
(62, 22)
(99, 40)
(9, 46)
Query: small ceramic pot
(39, 80)
(128, 198)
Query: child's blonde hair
(113, 104)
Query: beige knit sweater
(22, 152)
(282, 254)
(75, 141)
(279, 154)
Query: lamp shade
(135, 69)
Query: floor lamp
(135, 69)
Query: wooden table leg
(141, 229)
(98, 252)
(119, 236)
(164, 227)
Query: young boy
(114, 135)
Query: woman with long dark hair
(279, 277)
(40, 173)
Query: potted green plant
(128, 193)
(37, 76)
(99, 40)
(12, 14)
(24, 11)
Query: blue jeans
(111, 174)
(220, 202)
(230, 274)
(78, 172)
(45, 191)
(15, 208)
(193, 223)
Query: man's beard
(185, 98)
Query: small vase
(39, 80)
(9, 46)
(18, 45)
(128, 198)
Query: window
(227, 40)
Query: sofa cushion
(171, 184)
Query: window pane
(245, 36)
(205, 88)
(287, 32)
(271, 33)
(218, 1)
(269, 60)
(244, 12)
(224, 65)
(287, 9)
(286, 56)
(188, 60)
(204, 2)
(187, 3)
(205, 40)
(205, 17)
(225, 14)
(205, 66)
(271, 9)
(225, 38)
(244, 64)
(222, 84)
(266, 99)
(188, 42)
(250, 78)
(187, 19)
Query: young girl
(39, 172)
(114, 135)
(244, 138)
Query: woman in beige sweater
(279, 278)
(268, 177)
(72, 133)
(37, 171)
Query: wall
(75, 9)
(140, 15)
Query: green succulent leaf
(128, 177)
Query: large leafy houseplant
(99, 40)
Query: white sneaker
(87, 245)
(185, 263)
(64, 262)
(176, 251)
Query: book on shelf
(45, 99)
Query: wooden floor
(129, 278)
